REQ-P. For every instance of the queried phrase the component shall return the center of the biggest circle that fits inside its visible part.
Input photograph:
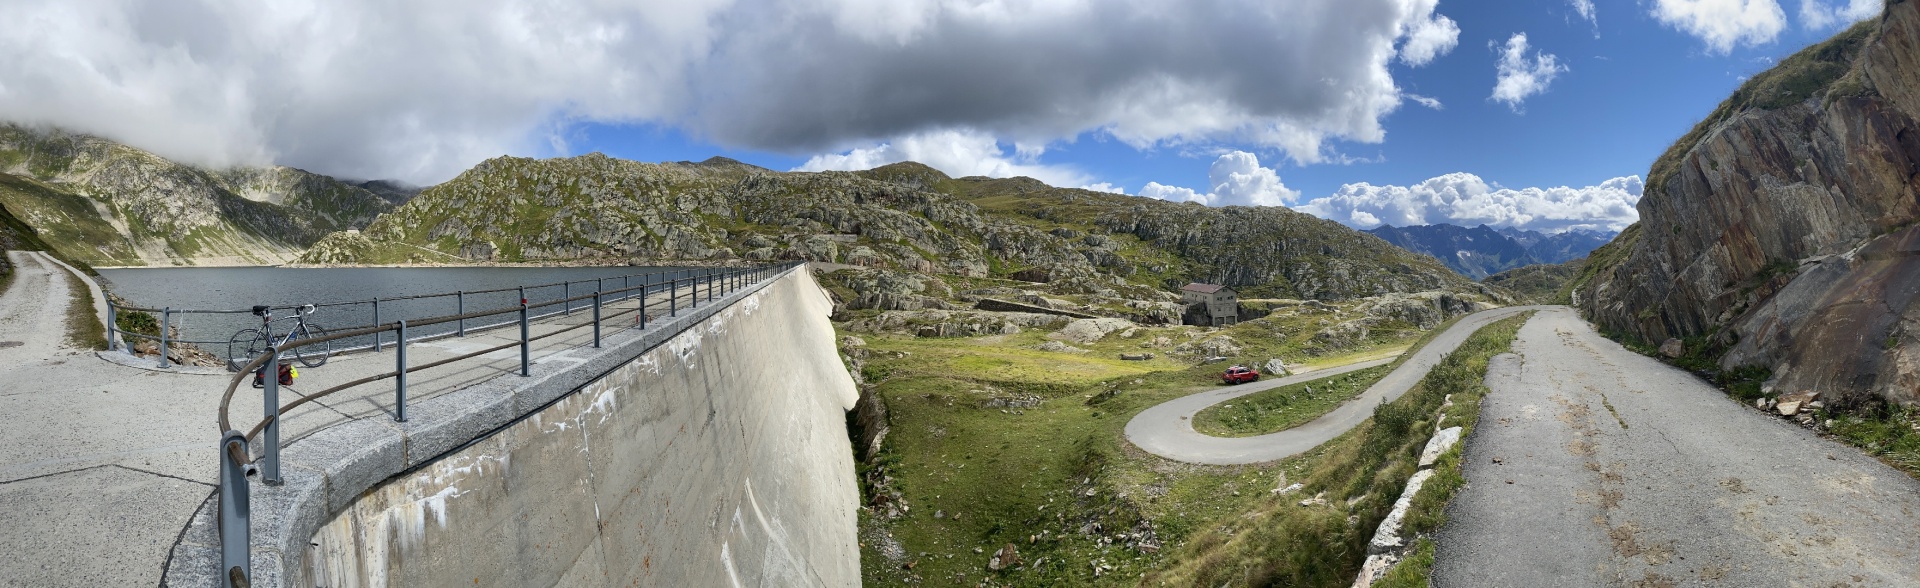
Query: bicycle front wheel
(243, 347)
(314, 355)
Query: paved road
(102, 465)
(1166, 430)
(1618, 470)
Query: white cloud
(420, 90)
(1820, 15)
(1104, 187)
(1173, 193)
(1465, 199)
(1584, 8)
(955, 152)
(1429, 38)
(1237, 179)
(1427, 101)
(1722, 24)
(1518, 76)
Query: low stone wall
(711, 454)
(996, 305)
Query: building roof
(1204, 288)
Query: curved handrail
(257, 363)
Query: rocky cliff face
(904, 216)
(1779, 231)
(111, 204)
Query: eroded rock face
(1772, 227)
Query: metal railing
(236, 465)
(171, 319)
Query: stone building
(1211, 304)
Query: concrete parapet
(709, 449)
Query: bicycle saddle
(261, 310)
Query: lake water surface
(230, 288)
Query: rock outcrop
(1779, 231)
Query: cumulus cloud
(1722, 24)
(1465, 199)
(1819, 14)
(422, 89)
(1429, 38)
(1237, 179)
(956, 153)
(1517, 76)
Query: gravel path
(1166, 429)
(1596, 466)
(33, 311)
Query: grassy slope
(1285, 407)
(952, 450)
(66, 224)
(1284, 543)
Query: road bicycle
(250, 343)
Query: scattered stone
(1136, 356)
(939, 514)
(1005, 558)
(1317, 500)
(1295, 487)
(1673, 348)
(1760, 403)
(1788, 408)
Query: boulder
(1086, 331)
(1673, 348)
(1275, 367)
(1058, 347)
(1136, 356)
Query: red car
(1239, 374)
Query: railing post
(270, 438)
(566, 294)
(463, 310)
(400, 378)
(673, 297)
(236, 567)
(166, 316)
(596, 319)
(376, 322)
(644, 286)
(526, 351)
(113, 326)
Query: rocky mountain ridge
(107, 203)
(904, 216)
(1780, 234)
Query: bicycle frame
(299, 319)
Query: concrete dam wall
(717, 458)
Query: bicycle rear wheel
(243, 347)
(314, 355)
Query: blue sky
(1314, 104)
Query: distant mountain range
(1478, 252)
